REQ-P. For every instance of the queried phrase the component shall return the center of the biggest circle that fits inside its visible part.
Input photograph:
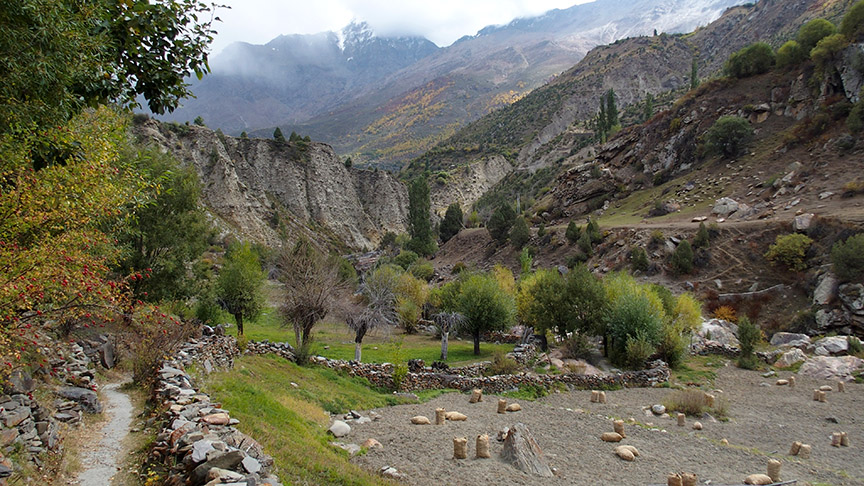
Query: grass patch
(335, 341)
(698, 370)
(427, 395)
(291, 422)
(694, 402)
(533, 392)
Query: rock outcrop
(277, 191)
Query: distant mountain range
(385, 100)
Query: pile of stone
(284, 350)
(199, 443)
(99, 350)
(840, 306)
(211, 352)
(27, 423)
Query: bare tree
(447, 322)
(311, 281)
(379, 310)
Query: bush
(790, 250)
(748, 336)
(573, 232)
(639, 259)
(855, 120)
(520, 234)
(405, 259)
(853, 22)
(593, 230)
(541, 230)
(725, 313)
(458, 267)
(502, 365)
(825, 51)
(812, 32)
(673, 346)
(847, 257)
(585, 244)
(682, 259)
(637, 350)
(790, 54)
(702, 240)
(500, 222)
(400, 372)
(730, 136)
(633, 316)
(755, 59)
(691, 401)
(422, 270)
(578, 346)
(242, 343)
(855, 346)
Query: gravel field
(764, 420)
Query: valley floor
(764, 420)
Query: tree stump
(521, 450)
(476, 396)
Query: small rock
(782, 382)
(697, 425)
(339, 429)
(658, 409)
(371, 444)
(220, 418)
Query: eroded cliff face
(276, 192)
(468, 183)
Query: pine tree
(244, 135)
(573, 232)
(277, 135)
(419, 225)
(501, 221)
(611, 111)
(602, 120)
(694, 74)
(520, 235)
(649, 107)
(452, 223)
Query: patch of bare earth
(764, 420)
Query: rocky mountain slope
(544, 128)
(385, 100)
(276, 192)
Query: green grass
(397, 346)
(291, 422)
(698, 369)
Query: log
(521, 450)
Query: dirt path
(101, 460)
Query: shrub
(500, 222)
(405, 259)
(691, 401)
(682, 259)
(657, 237)
(790, 250)
(853, 22)
(422, 270)
(748, 336)
(673, 346)
(634, 315)
(578, 346)
(593, 230)
(755, 59)
(637, 350)
(847, 257)
(541, 230)
(502, 365)
(812, 32)
(242, 342)
(730, 136)
(520, 234)
(457, 268)
(639, 259)
(726, 313)
(855, 346)
(855, 120)
(790, 54)
(573, 232)
(585, 244)
(826, 50)
(400, 372)
(452, 222)
(702, 239)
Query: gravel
(763, 423)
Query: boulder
(758, 479)
(826, 289)
(339, 429)
(227, 461)
(724, 206)
(852, 296)
(88, 399)
(106, 355)
(521, 450)
(790, 339)
(21, 382)
(831, 345)
(831, 368)
(790, 358)
(719, 331)
(658, 409)
(802, 221)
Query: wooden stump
(440, 416)
(502, 405)
(774, 470)
(521, 450)
(460, 448)
(483, 447)
(476, 396)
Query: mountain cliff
(275, 192)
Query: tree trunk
(477, 343)
(357, 352)
(445, 336)
(239, 319)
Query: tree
(59, 56)
(452, 223)
(682, 258)
(277, 135)
(378, 311)
(790, 54)
(853, 22)
(754, 59)
(702, 239)
(199, 121)
(573, 232)
(729, 136)
(812, 32)
(168, 233)
(562, 304)
(593, 231)
(447, 322)
(847, 257)
(635, 316)
(790, 250)
(748, 336)
(348, 162)
(311, 281)
(500, 222)
(648, 111)
(419, 225)
(243, 134)
(694, 73)
(238, 287)
(485, 305)
(826, 50)
(520, 234)
(612, 122)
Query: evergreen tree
(649, 107)
(348, 163)
(602, 120)
(682, 258)
(611, 111)
(419, 226)
(452, 223)
(277, 135)
(520, 234)
(501, 221)
(199, 121)
(573, 232)
(702, 239)
(243, 134)
(694, 74)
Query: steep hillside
(276, 192)
(546, 120)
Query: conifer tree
(277, 135)
(419, 225)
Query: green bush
(673, 346)
(422, 270)
(541, 230)
(405, 259)
(682, 259)
(578, 346)
(639, 259)
(400, 372)
(790, 54)
(702, 240)
(593, 230)
(812, 32)
(847, 257)
(790, 250)
(500, 222)
(852, 25)
(748, 336)
(826, 50)
(755, 59)
(520, 234)
(729, 136)
(855, 347)
(855, 120)
(573, 232)
(585, 244)
(633, 316)
(637, 350)
(502, 365)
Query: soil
(101, 460)
(764, 420)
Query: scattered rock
(782, 382)
(825, 290)
(392, 473)
(88, 399)
(724, 206)
(789, 339)
(831, 345)
(802, 221)
(371, 444)
(658, 409)
(852, 296)
(831, 368)
(341, 429)
(697, 425)
(521, 450)
(790, 358)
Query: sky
(441, 21)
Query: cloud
(441, 21)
